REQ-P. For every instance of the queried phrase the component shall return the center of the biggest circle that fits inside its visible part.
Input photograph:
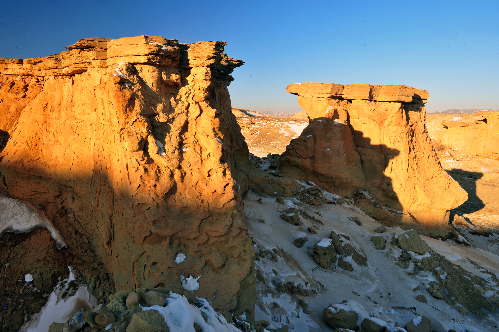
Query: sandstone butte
(373, 139)
(129, 147)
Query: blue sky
(450, 48)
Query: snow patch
(190, 283)
(180, 316)
(325, 243)
(180, 258)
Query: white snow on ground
(385, 290)
(60, 309)
(298, 127)
(180, 316)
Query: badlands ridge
(128, 154)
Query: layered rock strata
(372, 138)
(129, 147)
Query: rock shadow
(467, 180)
(4, 137)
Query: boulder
(411, 241)
(419, 324)
(379, 242)
(373, 138)
(147, 321)
(338, 317)
(324, 253)
(130, 148)
(372, 325)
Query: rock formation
(372, 138)
(475, 134)
(129, 146)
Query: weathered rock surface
(475, 134)
(130, 148)
(373, 138)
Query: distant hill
(253, 113)
(463, 110)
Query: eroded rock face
(373, 137)
(129, 146)
(475, 134)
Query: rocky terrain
(467, 150)
(135, 198)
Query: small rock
(340, 318)
(462, 310)
(411, 241)
(147, 321)
(154, 298)
(284, 328)
(260, 201)
(369, 325)
(89, 317)
(419, 324)
(405, 256)
(379, 242)
(132, 300)
(279, 200)
(435, 290)
(299, 242)
(421, 298)
(324, 256)
(56, 327)
(311, 230)
(345, 265)
(380, 229)
(355, 220)
(105, 317)
(291, 216)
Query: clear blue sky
(450, 48)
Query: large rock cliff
(372, 138)
(129, 147)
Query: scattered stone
(347, 249)
(56, 327)
(380, 229)
(435, 290)
(132, 300)
(147, 321)
(355, 220)
(104, 318)
(154, 298)
(345, 265)
(411, 241)
(324, 254)
(291, 216)
(299, 242)
(405, 256)
(419, 324)
(338, 317)
(89, 317)
(368, 325)
(311, 230)
(421, 298)
(379, 242)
